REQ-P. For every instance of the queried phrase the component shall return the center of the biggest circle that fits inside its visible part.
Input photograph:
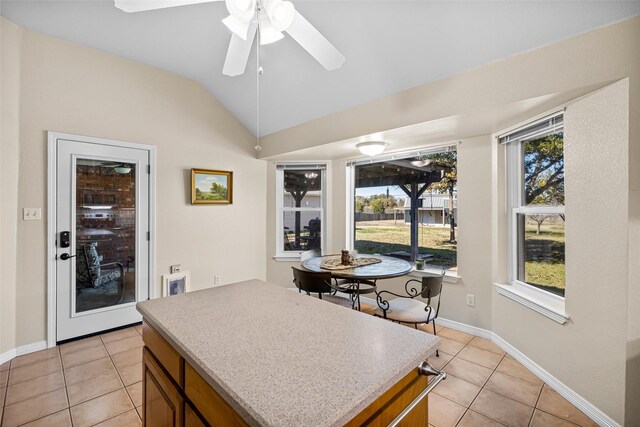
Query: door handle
(66, 256)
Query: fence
(363, 216)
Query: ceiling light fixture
(122, 169)
(371, 148)
(421, 162)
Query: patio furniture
(407, 308)
(95, 280)
(313, 239)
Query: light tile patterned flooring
(93, 381)
(97, 381)
(485, 387)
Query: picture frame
(211, 187)
(176, 283)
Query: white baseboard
(22, 350)
(462, 327)
(562, 389)
(7, 356)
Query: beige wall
(9, 147)
(596, 259)
(74, 89)
(573, 352)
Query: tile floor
(93, 381)
(485, 387)
(97, 381)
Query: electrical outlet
(216, 280)
(31, 214)
(177, 268)
(471, 300)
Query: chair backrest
(309, 254)
(88, 263)
(309, 282)
(431, 287)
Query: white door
(102, 247)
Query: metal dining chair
(407, 308)
(318, 283)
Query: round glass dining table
(387, 268)
(359, 280)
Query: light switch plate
(471, 300)
(31, 214)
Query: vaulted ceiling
(389, 45)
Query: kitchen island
(253, 353)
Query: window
(405, 205)
(300, 203)
(535, 165)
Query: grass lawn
(381, 237)
(544, 264)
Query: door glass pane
(541, 252)
(105, 234)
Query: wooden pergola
(412, 178)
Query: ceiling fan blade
(142, 5)
(315, 43)
(238, 53)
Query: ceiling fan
(266, 19)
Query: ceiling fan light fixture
(281, 14)
(240, 29)
(242, 10)
(268, 34)
(371, 148)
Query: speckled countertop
(286, 359)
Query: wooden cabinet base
(176, 395)
(163, 404)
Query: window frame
(515, 206)
(351, 195)
(281, 167)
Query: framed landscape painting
(211, 187)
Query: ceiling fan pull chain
(259, 72)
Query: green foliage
(449, 160)
(216, 192)
(378, 205)
(448, 183)
(544, 170)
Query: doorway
(100, 246)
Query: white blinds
(545, 126)
(300, 166)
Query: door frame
(52, 190)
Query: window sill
(546, 305)
(449, 277)
(286, 258)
